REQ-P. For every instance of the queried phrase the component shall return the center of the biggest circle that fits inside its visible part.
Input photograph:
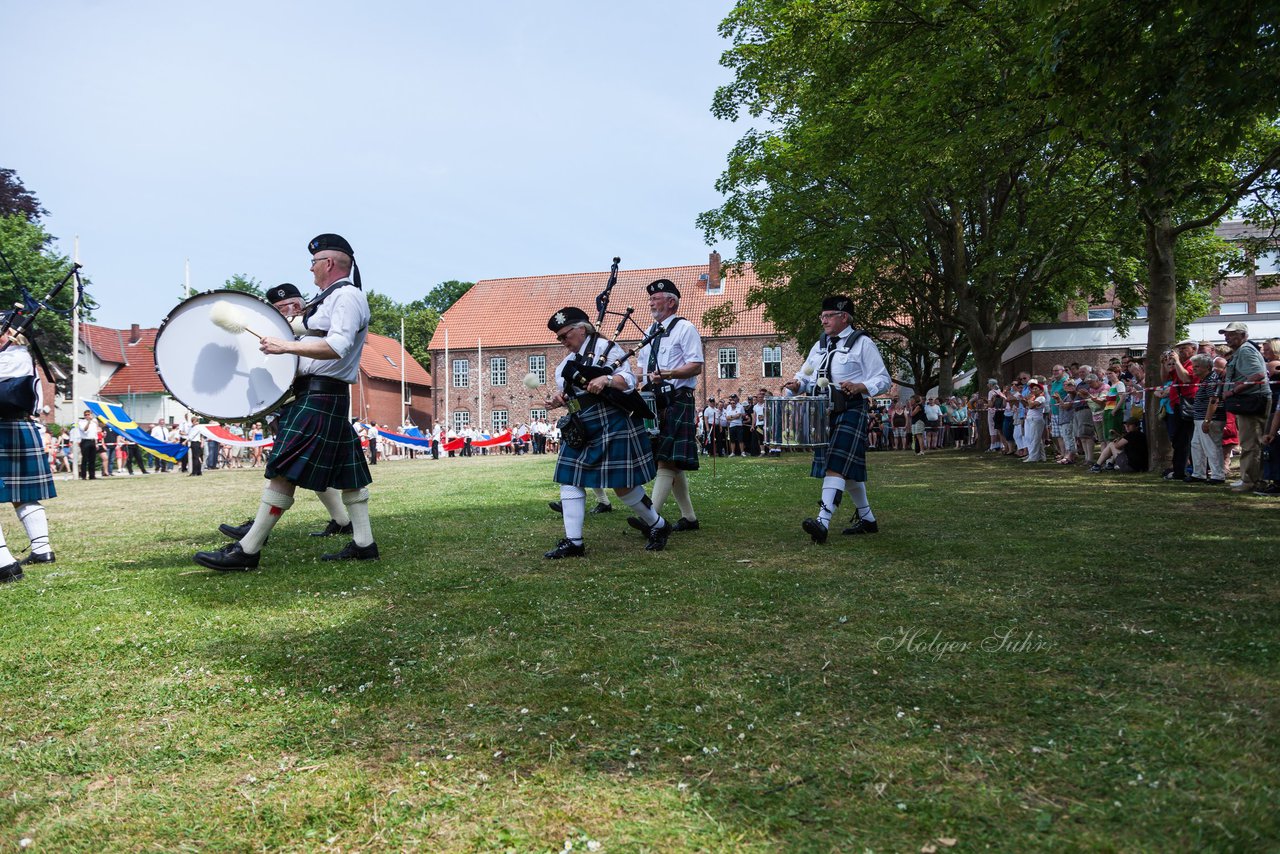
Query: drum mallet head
(227, 317)
(531, 380)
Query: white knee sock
(680, 489)
(270, 510)
(357, 502)
(858, 492)
(5, 557)
(33, 518)
(832, 486)
(643, 507)
(662, 487)
(573, 507)
(602, 497)
(332, 500)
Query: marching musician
(25, 476)
(601, 444)
(672, 363)
(316, 447)
(288, 301)
(846, 366)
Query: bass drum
(217, 374)
(796, 422)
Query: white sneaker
(1236, 483)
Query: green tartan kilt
(316, 447)
(677, 438)
(24, 465)
(846, 448)
(616, 455)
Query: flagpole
(186, 281)
(448, 367)
(403, 351)
(479, 386)
(75, 358)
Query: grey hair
(1092, 378)
(1202, 360)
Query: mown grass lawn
(1020, 660)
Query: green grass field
(1020, 660)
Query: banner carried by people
(118, 420)
(405, 440)
(223, 436)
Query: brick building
(1090, 337)
(376, 395)
(497, 333)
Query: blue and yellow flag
(118, 420)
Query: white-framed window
(1268, 306)
(498, 370)
(728, 362)
(538, 367)
(1268, 263)
(461, 373)
(1102, 314)
(771, 362)
(1234, 308)
(498, 420)
(537, 415)
(461, 419)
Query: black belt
(311, 384)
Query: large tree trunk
(1162, 302)
(946, 372)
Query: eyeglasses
(315, 261)
(830, 315)
(561, 336)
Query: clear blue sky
(445, 141)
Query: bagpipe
(579, 373)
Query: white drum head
(218, 374)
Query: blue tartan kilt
(846, 448)
(677, 439)
(24, 465)
(316, 447)
(616, 455)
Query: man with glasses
(316, 447)
(846, 365)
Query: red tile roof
(138, 373)
(107, 344)
(382, 357)
(514, 312)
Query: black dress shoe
(634, 521)
(566, 548)
(862, 526)
(601, 507)
(686, 525)
(556, 507)
(47, 557)
(229, 558)
(658, 536)
(353, 552)
(815, 529)
(333, 528)
(236, 532)
(12, 572)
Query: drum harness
(310, 383)
(840, 402)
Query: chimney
(713, 271)
(135, 334)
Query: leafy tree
(244, 284)
(17, 199)
(31, 263)
(902, 166)
(445, 294)
(1184, 97)
(419, 323)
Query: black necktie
(653, 347)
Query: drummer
(672, 364)
(288, 301)
(844, 365)
(25, 476)
(316, 447)
(603, 445)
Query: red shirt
(1184, 391)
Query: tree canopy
(245, 284)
